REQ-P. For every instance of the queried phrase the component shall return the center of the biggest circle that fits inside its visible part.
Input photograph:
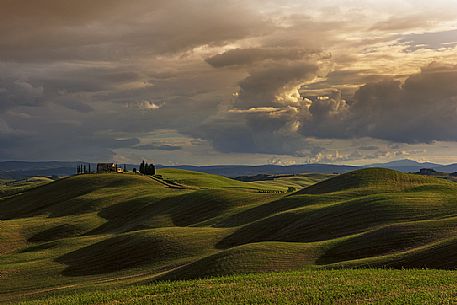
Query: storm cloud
(228, 81)
(421, 109)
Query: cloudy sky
(228, 82)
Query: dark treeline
(83, 169)
(147, 169)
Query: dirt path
(173, 186)
(141, 278)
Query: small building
(106, 168)
(427, 171)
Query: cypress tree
(152, 169)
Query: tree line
(147, 169)
(82, 169)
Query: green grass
(208, 181)
(117, 237)
(9, 188)
(372, 179)
(296, 181)
(306, 287)
(250, 258)
(139, 248)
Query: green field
(305, 287)
(123, 237)
(12, 187)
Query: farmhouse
(427, 171)
(106, 167)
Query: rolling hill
(103, 231)
(13, 187)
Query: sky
(228, 82)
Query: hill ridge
(380, 178)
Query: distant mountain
(451, 168)
(404, 162)
(24, 169)
(405, 165)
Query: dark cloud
(258, 116)
(327, 108)
(274, 74)
(77, 106)
(265, 86)
(422, 109)
(15, 93)
(252, 133)
(61, 141)
(100, 30)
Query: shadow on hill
(188, 209)
(389, 239)
(68, 196)
(440, 255)
(277, 206)
(342, 219)
(58, 232)
(140, 248)
(256, 257)
(119, 253)
(41, 247)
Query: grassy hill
(105, 231)
(10, 187)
